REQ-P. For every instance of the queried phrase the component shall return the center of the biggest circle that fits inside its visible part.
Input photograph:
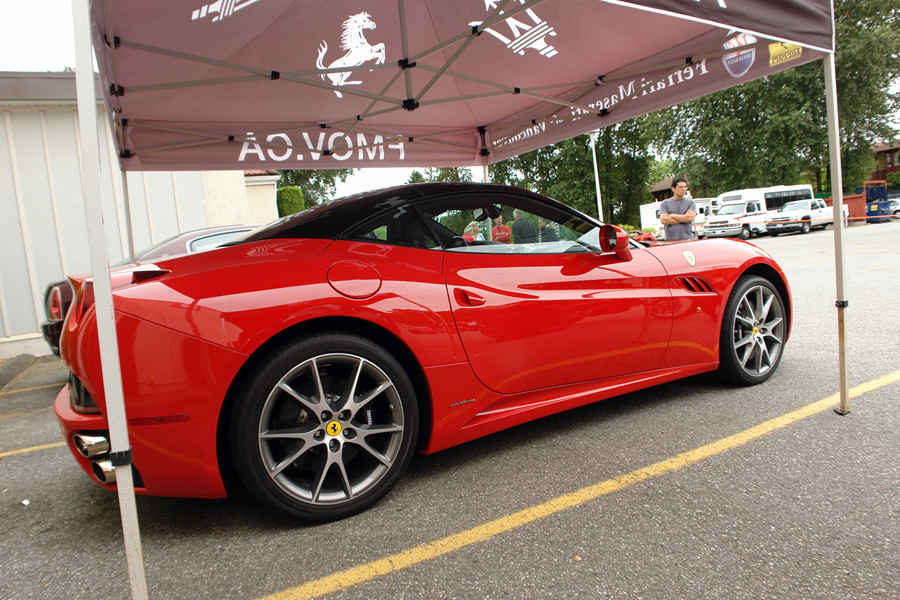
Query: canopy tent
(376, 83)
(305, 85)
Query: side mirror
(615, 239)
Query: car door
(546, 314)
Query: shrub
(289, 200)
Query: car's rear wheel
(324, 426)
(753, 332)
(773, 233)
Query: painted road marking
(431, 550)
(32, 449)
(40, 387)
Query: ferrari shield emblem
(689, 256)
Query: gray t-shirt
(678, 231)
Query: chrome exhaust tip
(90, 446)
(104, 471)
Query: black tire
(804, 227)
(745, 233)
(773, 234)
(753, 332)
(323, 458)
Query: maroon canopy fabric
(247, 84)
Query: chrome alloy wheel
(758, 330)
(331, 429)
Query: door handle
(464, 298)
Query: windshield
(732, 209)
(796, 205)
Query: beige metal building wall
(43, 232)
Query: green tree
(774, 130)
(416, 177)
(448, 174)
(316, 185)
(565, 171)
(289, 200)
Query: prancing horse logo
(359, 51)
(689, 257)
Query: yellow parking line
(32, 449)
(40, 387)
(430, 550)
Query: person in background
(500, 233)
(471, 232)
(522, 230)
(547, 230)
(677, 213)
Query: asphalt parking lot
(689, 490)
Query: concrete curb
(15, 367)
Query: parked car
(800, 215)
(642, 236)
(313, 356)
(894, 208)
(58, 295)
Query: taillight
(80, 399)
(54, 305)
(86, 296)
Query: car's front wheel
(753, 332)
(804, 227)
(323, 426)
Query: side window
(209, 242)
(401, 226)
(506, 223)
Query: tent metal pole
(594, 135)
(128, 231)
(106, 327)
(837, 201)
(487, 174)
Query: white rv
(743, 213)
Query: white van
(704, 212)
(650, 220)
(744, 213)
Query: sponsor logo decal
(782, 52)
(221, 9)
(689, 257)
(524, 35)
(738, 63)
(336, 146)
(359, 51)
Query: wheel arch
(768, 273)
(362, 328)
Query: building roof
(885, 147)
(40, 89)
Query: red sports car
(58, 295)
(312, 356)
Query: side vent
(695, 285)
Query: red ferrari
(314, 355)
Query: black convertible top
(332, 218)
